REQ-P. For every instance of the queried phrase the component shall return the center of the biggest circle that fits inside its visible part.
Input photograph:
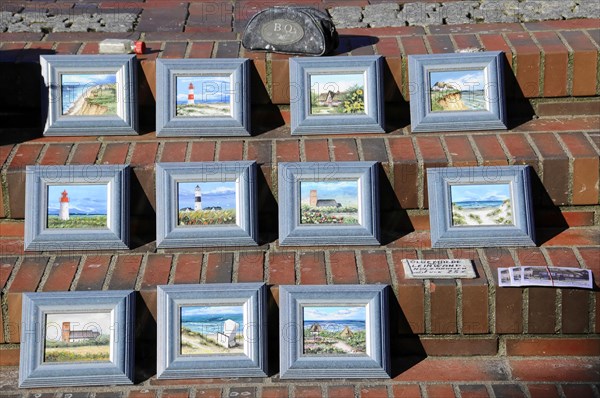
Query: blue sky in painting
(83, 199)
(206, 88)
(335, 82)
(465, 80)
(346, 313)
(220, 194)
(89, 80)
(482, 192)
(96, 321)
(344, 192)
(210, 310)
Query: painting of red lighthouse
(203, 96)
(77, 206)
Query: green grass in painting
(329, 215)
(327, 342)
(106, 97)
(97, 221)
(207, 217)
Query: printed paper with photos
(329, 202)
(77, 206)
(337, 330)
(89, 94)
(77, 337)
(203, 96)
(212, 330)
(335, 94)
(206, 203)
(462, 90)
(481, 204)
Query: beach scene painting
(336, 330)
(214, 329)
(203, 96)
(206, 203)
(329, 202)
(77, 206)
(462, 90)
(89, 94)
(335, 94)
(77, 337)
(481, 204)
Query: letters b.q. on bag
(291, 30)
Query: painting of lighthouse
(206, 203)
(329, 202)
(73, 337)
(77, 206)
(203, 96)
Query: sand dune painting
(462, 90)
(203, 96)
(481, 205)
(89, 94)
(77, 337)
(337, 330)
(216, 329)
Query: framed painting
(211, 330)
(203, 97)
(457, 92)
(77, 338)
(206, 204)
(336, 331)
(77, 207)
(480, 206)
(89, 94)
(336, 95)
(322, 203)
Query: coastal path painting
(458, 90)
(206, 203)
(334, 94)
(77, 337)
(324, 202)
(481, 204)
(212, 330)
(89, 94)
(334, 330)
(77, 206)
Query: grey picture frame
(34, 372)
(292, 232)
(294, 364)
(39, 237)
(171, 235)
(443, 231)
(235, 124)
(424, 119)
(305, 123)
(124, 122)
(171, 364)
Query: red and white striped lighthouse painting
(191, 94)
(63, 212)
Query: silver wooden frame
(296, 365)
(252, 363)
(243, 233)
(302, 122)
(293, 233)
(38, 237)
(238, 124)
(33, 372)
(422, 119)
(444, 234)
(123, 66)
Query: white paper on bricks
(438, 269)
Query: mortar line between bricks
(570, 194)
(109, 272)
(591, 141)
(330, 149)
(4, 300)
(557, 297)
(78, 272)
(542, 64)
(360, 267)
(511, 159)
(245, 149)
(420, 173)
(46, 273)
(301, 149)
(391, 268)
(491, 290)
(235, 268)
(328, 273)
(446, 151)
(538, 154)
(359, 149)
(188, 151)
(129, 155)
(141, 272)
(217, 149)
(297, 273)
(475, 150)
(570, 63)
(490, 390)
(71, 154)
(204, 270)
(561, 392)
(173, 268)
(524, 294)
(101, 151)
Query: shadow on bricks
(405, 346)
(143, 216)
(394, 220)
(268, 214)
(518, 109)
(553, 221)
(145, 341)
(273, 336)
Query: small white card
(545, 276)
(438, 269)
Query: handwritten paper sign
(438, 269)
